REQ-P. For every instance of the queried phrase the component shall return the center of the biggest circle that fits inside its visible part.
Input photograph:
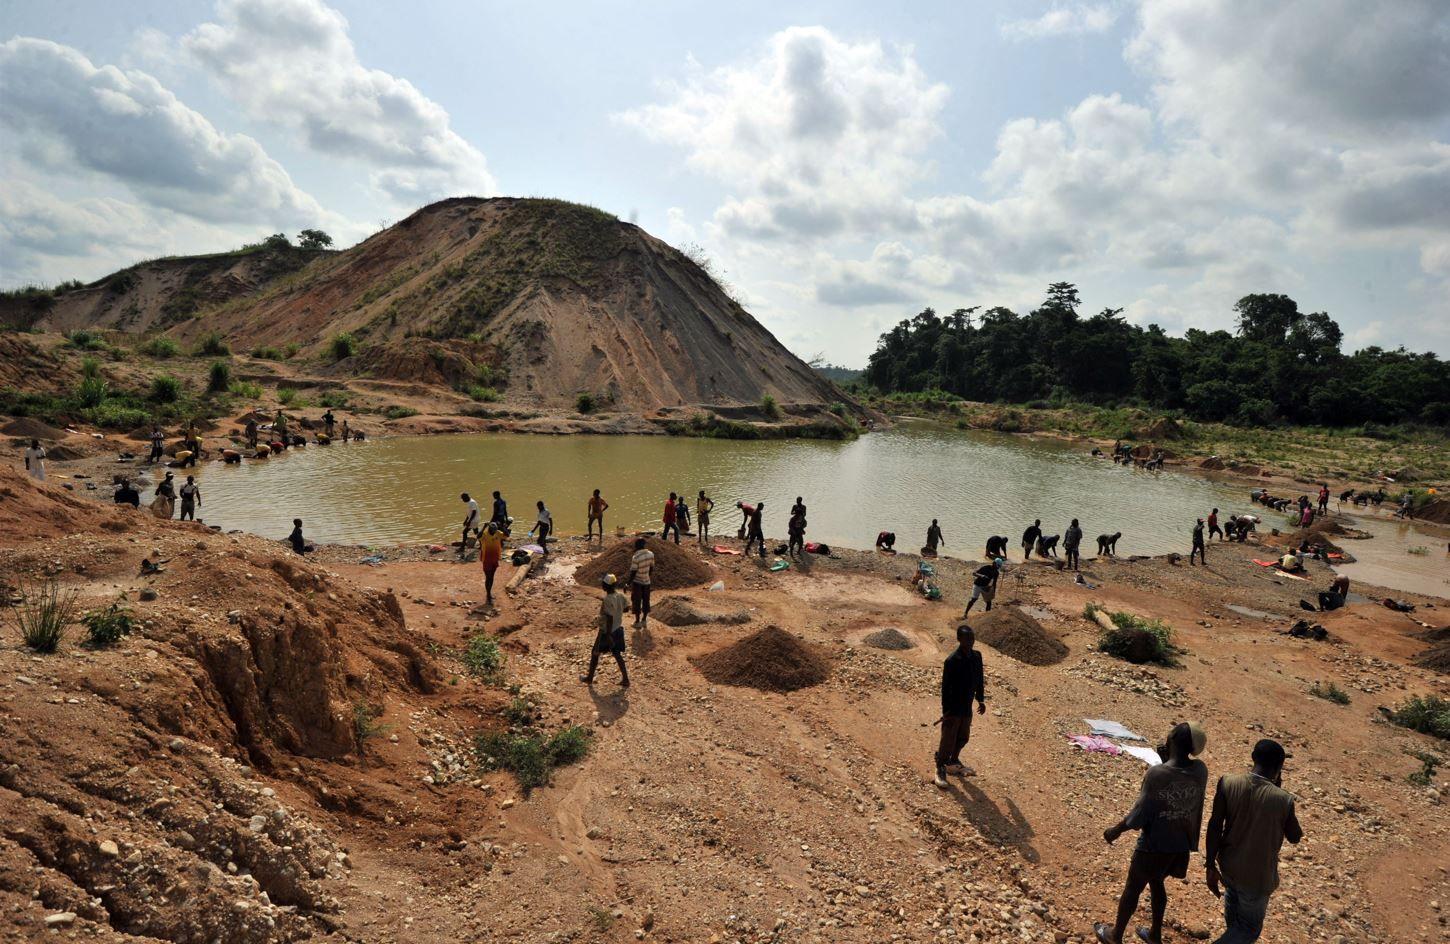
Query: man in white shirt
(471, 523)
(640, 566)
(543, 526)
(35, 461)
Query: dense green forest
(1280, 365)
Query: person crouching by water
(298, 542)
(962, 681)
(490, 553)
(1168, 815)
(610, 637)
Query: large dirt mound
(1165, 427)
(674, 568)
(891, 639)
(1436, 659)
(771, 660)
(1013, 633)
(28, 428)
(677, 611)
(1437, 511)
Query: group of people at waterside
(1251, 816)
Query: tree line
(1278, 365)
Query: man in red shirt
(671, 520)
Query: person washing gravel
(1030, 537)
(610, 637)
(962, 680)
(1168, 815)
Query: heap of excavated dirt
(1436, 659)
(1013, 633)
(771, 660)
(677, 611)
(1213, 464)
(1164, 427)
(1437, 511)
(29, 428)
(674, 566)
(891, 639)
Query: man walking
(1168, 814)
(755, 529)
(962, 681)
(640, 566)
(1029, 538)
(1213, 527)
(933, 538)
(671, 520)
(1071, 540)
(597, 507)
(984, 586)
(1252, 816)
(490, 552)
(610, 637)
(190, 499)
(158, 443)
(472, 522)
(543, 525)
(1198, 548)
(500, 515)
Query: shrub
(43, 615)
(1138, 640)
(212, 345)
(165, 389)
(92, 391)
(1428, 714)
(484, 394)
(584, 403)
(83, 340)
(114, 414)
(529, 755)
(838, 408)
(1429, 766)
(333, 399)
(107, 627)
(342, 346)
(291, 350)
(1330, 692)
(245, 389)
(365, 724)
(267, 353)
(483, 658)
(490, 376)
(399, 412)
(219, 379)
(769, 407)
(291, 397)
(160, 347)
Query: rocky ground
(282, 751)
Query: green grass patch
(333, 399)
(212, 345)
(165, 389)
(108, 626)
(245, 389)
(342, 346)
(1428, 714)
(399, 412)
(160, 347)
(1330, 692)
(483, 658)
(267, 353)
(1139, 640)
(43, 615)
(484, 394)
(219, 377)
(1429, 767)
(530, 754)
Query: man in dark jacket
(1071, 541)
(1029, 538)
(961, 681)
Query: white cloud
(1073, 20)
(293, 63)
(124, 126)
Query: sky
(842, 164)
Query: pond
(406, 489)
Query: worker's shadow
(1002, 829)
(611, 706)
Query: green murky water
(977, 484)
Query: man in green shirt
(1252, 816)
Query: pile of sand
(771, 660)
(1437, 511)
(1213, 464)
(677, 611)
(1162, 428)
(892, 639)
(674, 566)
(1013, 633)
(1436, 659)
(30, 428)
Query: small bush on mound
(484, 394)
(1138, 640)
(83, 340)
(342, 346)
(165, 389)
(43, 615)
(212, 345)
(1428, 714)
(160, 347)
(529, 754)
(219, 378)
(333, 400)
(770, 407)
(771, 660)
(365, 724)
(267, 353)
(399, 412)
(584, 403)
(245, 389)
(1330, 692)
(109, 626)
(92, 392)
(483, 658)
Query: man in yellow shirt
(490, 552)
(702, 516)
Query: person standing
(1323, 499)
(472, 522)
(158, 443)
(543, 525)
(796, 532)
(671, 520)
(984, 585)
(1029, 538)
(250, 431)
(328, 424)
(610, 637)
(1213, 527)
(190, 499)
(500, 515)
(1252, 816)
(346, 431)
(279, 426)
(1168, 815)
(597, 507)
(682, 513)
(1198, 548)
(192, 445)
(640, 566)
(755, 531)
(702, 517)
(490, 553)
(933, 538)
(35, 461)
(962, 682)
(164, 501)
(1071, 541)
